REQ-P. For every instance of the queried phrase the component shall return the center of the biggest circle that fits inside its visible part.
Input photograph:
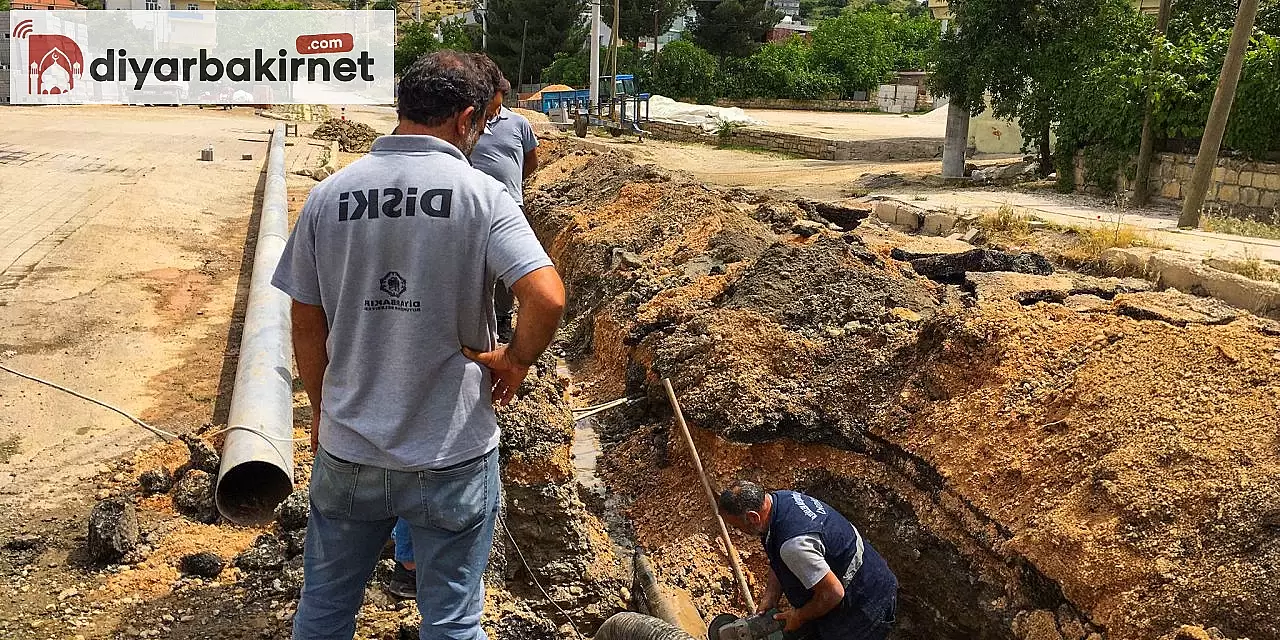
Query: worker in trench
(391, 267)
(506, 152)
(837, 584)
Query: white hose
(159, 432)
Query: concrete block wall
(1236, 184)
(806, 146)
(802, 105)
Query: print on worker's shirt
(394, 285)
(392, 202)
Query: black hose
(634, 626)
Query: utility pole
(1211, 143)
(594, 74)
(417, 11)
(1142, 187)
(613, 53)
(520, 73)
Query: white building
(157, 5)
(789, 8)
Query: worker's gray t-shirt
(401, 249)
(501, 150)
(805, 556)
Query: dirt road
(119, 258)
(854, 126)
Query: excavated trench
(1029, 468)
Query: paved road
(119, 258)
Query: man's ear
(464, 121)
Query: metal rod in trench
(711, 496)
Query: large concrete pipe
(257, 455)
(635, 626)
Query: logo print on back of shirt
(393, 284)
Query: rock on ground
(203, 457)
(204, 564)
(951, 268)
(1176, 308)
(267, 554)
(293, 512)
(193, 495)
(154, 481)
(113, 530)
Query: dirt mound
(1029, 470)
(352, 137)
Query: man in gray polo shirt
(507, 150)
(391, 267)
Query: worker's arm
(772, 594)
(827, 595)
(530, 163)
(528, 142)
(542, 299)
(310, 333)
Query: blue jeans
(451, 515)
(402, 535)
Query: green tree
(572, 69)
(554, 26)
(643, 18)
(4, 5)
(456, 34)
(915, 38)
(415, 40)
(782, 70)
(859, 47)
(1026, 54)
(733, 28)
(685, 72)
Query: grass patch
(1237, 227)
(1094, 240)
(1007, 220)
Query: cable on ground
(157, 431)
(534, 577)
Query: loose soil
(1030, 469)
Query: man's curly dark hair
(499, 81)
(441, 85)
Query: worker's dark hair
(441, 85)
(499, 81)
(741, 497)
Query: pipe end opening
(249, 493)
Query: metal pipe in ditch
(257, 456)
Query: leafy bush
(781, 70)
(1254, 126)
(858, 47)
(683, 71)
(416, 40)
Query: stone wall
(800, 105)
(805, 146)
(1245, 187)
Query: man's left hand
(791, 621)
(505, 373)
